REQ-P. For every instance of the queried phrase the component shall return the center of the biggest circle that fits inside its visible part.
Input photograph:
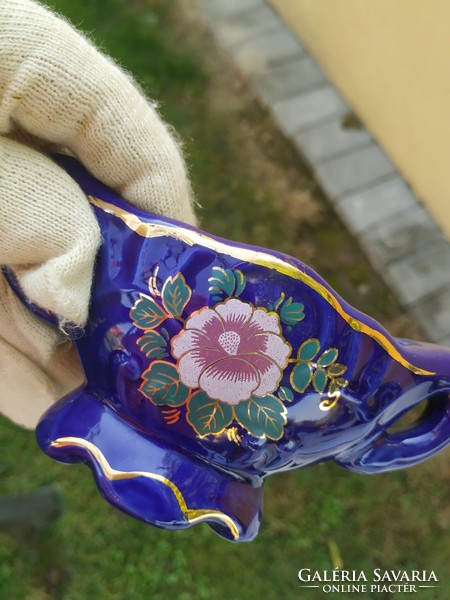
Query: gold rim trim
(191, 515)
(258, 257)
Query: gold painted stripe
(258, 257)
(191, 515)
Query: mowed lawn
(251, 187)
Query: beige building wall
(391, 61)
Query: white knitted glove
(56, 89)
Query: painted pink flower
(231, 351)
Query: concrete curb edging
(398, 235)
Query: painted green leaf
(342, 382)
(285, 394)
(165, 333)
(240, 282)
(146, 313)
(319, 380)
(333, 387)
(328, 357)
(152, 344)
(336, 370)
(301, 376)
(309, 349)
(161, 384)
(175, 295)
(226, 281)
(208, 416)
(277, 304)
(264, 416)
(292, 312)
(223, 280)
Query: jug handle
(398, 449)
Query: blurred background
(251, 186)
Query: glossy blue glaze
(332, 382)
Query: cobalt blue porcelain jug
(211, 365)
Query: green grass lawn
(251, 187)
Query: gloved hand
(58, 91)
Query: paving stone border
(398, 235)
